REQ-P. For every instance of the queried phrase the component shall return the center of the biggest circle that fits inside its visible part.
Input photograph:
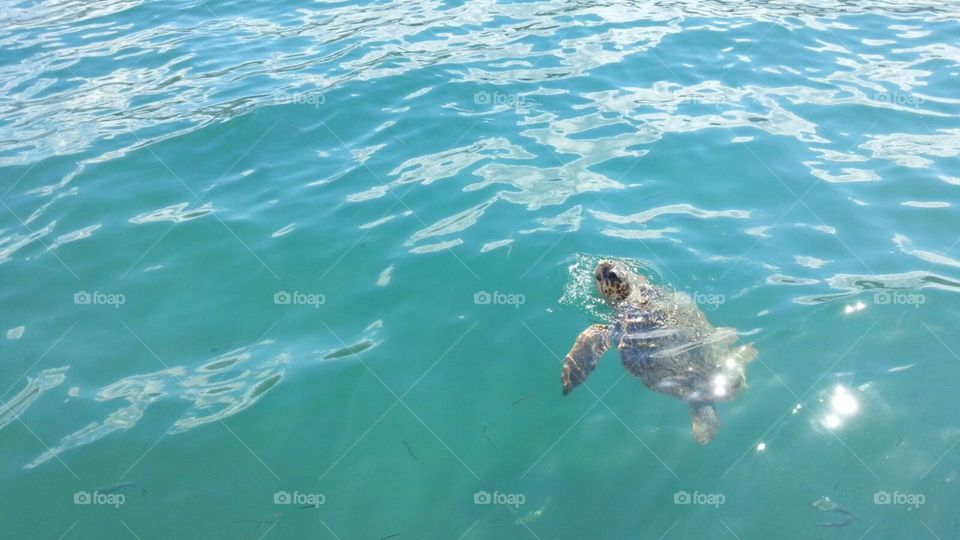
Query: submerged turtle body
(665, 341)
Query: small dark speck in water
(391, 536)
(524, 398)
(487, 436)
(901, 440)
(410, 450)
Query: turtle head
(614, 281)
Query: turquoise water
(265, 256)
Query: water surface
(264, 254)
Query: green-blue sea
(310, 269)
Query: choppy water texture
(264, 254)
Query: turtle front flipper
(584, 356)
(706, 425)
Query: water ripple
(87, 82)
(221, 387)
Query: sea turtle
(664, 340)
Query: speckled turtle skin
(664, 340)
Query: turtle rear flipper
(706, 425)
(584, 356)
